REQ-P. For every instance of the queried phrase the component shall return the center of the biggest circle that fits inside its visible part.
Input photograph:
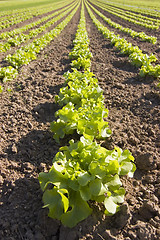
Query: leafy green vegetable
(8, 73)
(82, 89)
(84, 170)
(136, 56)
(1, 89)
(133, 33)
(87, 119)
(81, 172)
(81, 54)
(130, 16)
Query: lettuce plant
(1, 89)
(131, 17)
(84, 120)
(81, 54)
(8, 73)
(81, 86)
(81, 172)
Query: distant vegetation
(11, 5)
(143, 3)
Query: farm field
(38, 46)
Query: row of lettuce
(20, 11)
(135, 18)
(27, 53)
(10, 20)
(132, 33)
(20, 16)
(22, 38)
(136, 56)
(16, 37)
(83, 171)
(141, 11)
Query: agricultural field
(80, 120)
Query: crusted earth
(27, 146)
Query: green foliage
(14, 17)
(19, 6)
(84, 110)
(1, 89)
(11, 35)
(136, 56)
(18, 39)
(4, 47)
(87, 119)
(140, 59)
(26, 54)
(82, 88)
(129, 31)
(81, 172)
(8, 73)
(81, 54)
(21, 57)
(81, 63)
(135, 18)
(150, 70)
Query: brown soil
(27, 146)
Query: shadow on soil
(138, 80)
(45, 112)
(23, 200)
(35, 148)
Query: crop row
(9, 21)
(136, 56)
(12, 13)
(84, 170)
(19, 39)
(141, 10)
(8, 34)
(135, 15)
(34, 10)
(134, 19)
(129, 31)
(26, 54)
